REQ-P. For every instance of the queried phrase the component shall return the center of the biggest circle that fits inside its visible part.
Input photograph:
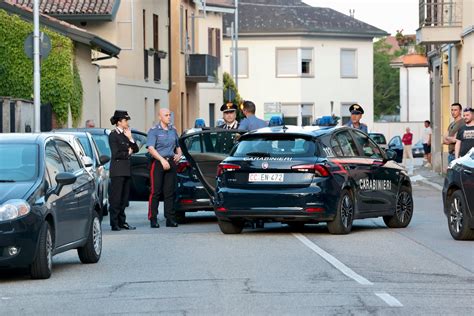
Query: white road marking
(333, 261)
(389, 299)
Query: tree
(229, 84)
(386, 81)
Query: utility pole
(236, 35)
(37, 65)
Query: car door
(83, 190)
(140, 171)
(382, 177)
(467, 180)
(396, 144)
(62, 202)
(205, 150)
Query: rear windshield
(18, 162)
(378, 138)
(275, 146)
(102, 142)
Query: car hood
(15, 190)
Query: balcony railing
(434, 13)
(201, 68)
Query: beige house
(196, 54)
(138, 81)
(447, 27)
(86, 44)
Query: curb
(426, 182)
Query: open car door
(205, 149)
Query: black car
(458, 197)
(396, 145)
(379, 139)
(298, 175)
(47, 203)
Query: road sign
(45, 45)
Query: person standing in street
(90, 124)
(407, 140)
(229, 112)
(427, 133)
(250, 122)
(465, 136)
(162, 145)
(453, 128)
(122, 146)
(356, 115)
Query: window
(348, 63)
(345, 114)
(182, 39)
(297, 114)
(294, 62)
(145, 50)
(348, 147)
(212, 114)
(18, 162)
(276, 146)
(54, 164)
(369, 148)
(155, 32)
(214, 42)
(243, 63)
(71, 164)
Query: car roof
(75, 133)
(33, 138)
(93, 131)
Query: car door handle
(467, 171)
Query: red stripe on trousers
(152, 190)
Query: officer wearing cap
(162, 145)
(356, 114)
(229, 110)
(122, 147)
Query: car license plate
(266, 177)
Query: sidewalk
(427, 177)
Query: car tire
(42, 265)
(92, 250)
(404, 210)
(180, 217)
(342, 223)
(458, 217)
(230, 227)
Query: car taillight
(221, 168)
(319, 170)
(182, 166)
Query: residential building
(196, 84)
(302, 61)
(447, 28)
(86, 44)
(139, 80)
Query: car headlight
(13, 209)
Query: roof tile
(71, 7)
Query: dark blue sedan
(48, 203)
(298, 175)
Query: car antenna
(283, 121)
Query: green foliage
(60, 82)
(230, 84)
(386, 81)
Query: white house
(302, 61)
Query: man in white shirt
(427, 133)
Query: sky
(388, 15)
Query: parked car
(48, 203)
(85, 145)
(379, 139)
(458, 197)
(396, 145)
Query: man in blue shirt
(162, 145)
(356, 114)
(250, 122)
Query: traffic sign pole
(36, 71)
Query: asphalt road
(195, 269)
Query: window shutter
(348, 63)
(287, 62)
(218, 45)
(209, 41)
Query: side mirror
(104, 159)
(64, 178)
(88, 161)
(391, 154)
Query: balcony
(440, 22)
(201, 68)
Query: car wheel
(91, 251)
(458, 218)
(403, 211)
(342, 223)
(230, 227)
(181, 217)
(42, 266)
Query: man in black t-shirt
(465, 136)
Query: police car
(298, 175)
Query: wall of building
(414, 94)
(262, 85)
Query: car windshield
(102, 142)
(275, 146)
(378, 138)
(87, 146)
(18, 162)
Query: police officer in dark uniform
(229, 111)
(356, 114)
(162, 144)
(122, 147)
